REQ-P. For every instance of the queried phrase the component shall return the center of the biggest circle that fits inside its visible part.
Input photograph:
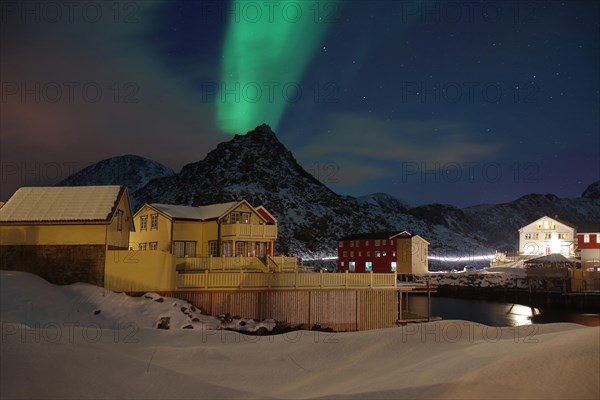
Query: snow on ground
(507, 275)
(32, 301)
(446, 359)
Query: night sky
(449, 102)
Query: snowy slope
(31, 301)
(130, 170)
(257, 167)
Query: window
(212, 248)
(366, 242)
(227, 248)
(352, 254)
(153, 221)
(377, 254)
(368, 254)
(143, 222)
(394, 254)
(368, 266)
(153, 245)
(377, 242)
(245, 218)
(345, 254)
(536, 236)
(352, 243)
(340, 244)
(342, 264)
(351, 266)
(119, 220)
(563, 235)
(184, 249)
(597, 238)
(235, 217)
(240, 249)
(360, 253)
(385, 253)
(586, 238)
(547, 236)
(528, 236)
(393, 266)
(142, 246)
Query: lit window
(154, 221)
(586, 238)
(377, 242)
(377, 254)
(360, 253)
(143, 222)
(345, 254)
(536, 236)
(153, 245)
(563, 235)
(368, 266)
(394, 254)
(342, 264)
(245, 218)
(352, 243)
(597, 238)
(547, 236)
(393, 266)
(351, 266)
(366, 242)
(142, 246)
(385, 253)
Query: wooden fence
(260, 281)
(584, 281)
(340, 310)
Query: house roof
(266, 214)
(570, 225)
(588, 227)
(201, 213)
(549, 259)
(66, 204)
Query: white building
(547, 236)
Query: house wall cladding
(58, 264)
(340, 310)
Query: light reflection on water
(496, 314)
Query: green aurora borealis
(265, 53)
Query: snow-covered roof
(61, 204)
(201, 213)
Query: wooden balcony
(249, 231)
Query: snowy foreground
(47, 353)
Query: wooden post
(371, 280)
(321, 279)
(206, 279)
(428, 301)
(399, 304)
(346, 281)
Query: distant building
(546, 236)
(63, 233)
(383, 252)
(216, 230)
(588, 244)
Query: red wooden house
(588, 243)
(397, 251)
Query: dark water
(493, 313)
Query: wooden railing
(283, 280)
(282, 264)
(221, 264)
(249, 231)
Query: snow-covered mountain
(257, 167)
(592, 191)
(130, 170)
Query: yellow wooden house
(64, 233)
(234, 229)
(412, 254)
